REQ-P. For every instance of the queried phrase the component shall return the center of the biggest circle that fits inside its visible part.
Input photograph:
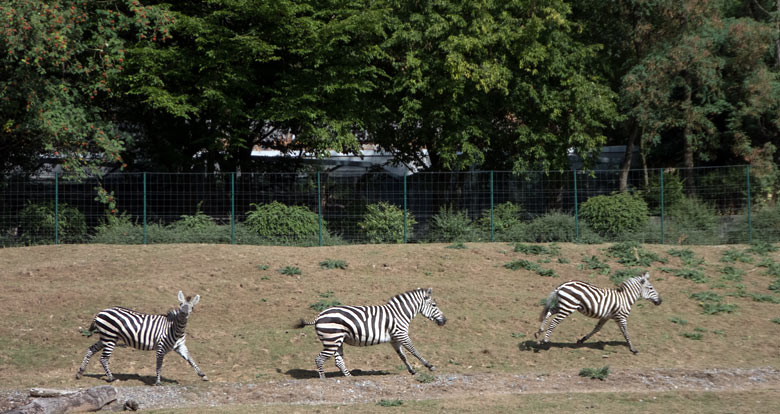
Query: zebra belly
(367, 339)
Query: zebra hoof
(634, 351)
(204, 378)
(432, 368)
(110, 379)
(78, 375)
(580, 341)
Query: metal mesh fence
(697, 206)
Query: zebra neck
(403, 313)
(631, 291)
(178, 323)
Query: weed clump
(595, 373)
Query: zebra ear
(181, 297)
(195, 300)
(646, 276)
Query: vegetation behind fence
(711, 206)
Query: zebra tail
(548, 304)
(93, 327)
(302, 324)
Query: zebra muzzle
(441, 321)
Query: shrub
(384, 223)
(507, 221)
(765, 226)
(595, 373)
(278, 223)
(37, 223)
(333, 264)
(449, 225)
(673, 192)
(631, 253)
(692, 221)
(616, 214)
(118, 230)
(556, 227)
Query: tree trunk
(625, 166)
(91, 399)
(690, 183)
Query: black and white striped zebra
(371, 325)
(590, 300)
(141, 331)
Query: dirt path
(372, 388)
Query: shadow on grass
(146, 379)
(536, 346)
(305, 373)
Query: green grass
(425, 377)
(333, 264)
(696, 336)
(633, 254)
(262, 267)
(594, 263)
(731, 273)
(537, 249)
(458, 245)
(694, 275)
(390, 403)
(290, 270)
(733, 255)
(709, 308)
(761, 248)
(323, 304)
(688, 258)
(595, 373)
(677, 320)
(527, 265)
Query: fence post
(144, 190)
(662, 205)
(576, 208)
(233, 207)
(319, 205)
(56, 208)
(750, 224)
(492, 224)
(404, 209)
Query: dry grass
(241, 330)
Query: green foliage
(733, 255)
(692, 221)
(706, 296)
(595, 373)
(458, 245)
(776, 320)
(696, 336)
(389, 403)
(537, 249)
(281, 224)
(449, 225)
(37, 223)
(384, 223)
(616, 214)
(687, 257)
(775, 285)
(525, 264)
(333, 264)
(425, 377)
(731, 273)
(760, 297)
(556, 227)
(631, 253)
(57, 64)
(709, 308)
(677, 320)
(594, 263)
(323, 304)
(262, 267)
(765, 223)
(761, 248)
(118, 229)
(695, 275)
(507, 221)
(290, 270)
(673, 192)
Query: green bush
(118, 230)
(452, 226)
(556, 227)
(281, 224)
(692, 221)
(615, 215)
(384, 223)
(37, 223)
(765, 226)
(673, 192)
(507, 221)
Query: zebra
(371, 325)
(590, 300)
(141, 331)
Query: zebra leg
(559, 316)
(400, 352)
(623, 324)
(339, 358)
(108, 349)
(320, 361)
(160, 356)
(544, 323)
(182, 350)
(407, 343)
(97, 346)
(596, 329)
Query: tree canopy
(493, 84)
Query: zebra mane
(407, 293)
(627, 282)
(173, 314)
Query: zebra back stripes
(161, 333)
(595, 302)
(371, 325)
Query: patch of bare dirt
(372, 388)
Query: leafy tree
(57, 60)
(501, 84)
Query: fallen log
(61, 402)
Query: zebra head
(186, 304)
(429, 309)
(648, 291)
